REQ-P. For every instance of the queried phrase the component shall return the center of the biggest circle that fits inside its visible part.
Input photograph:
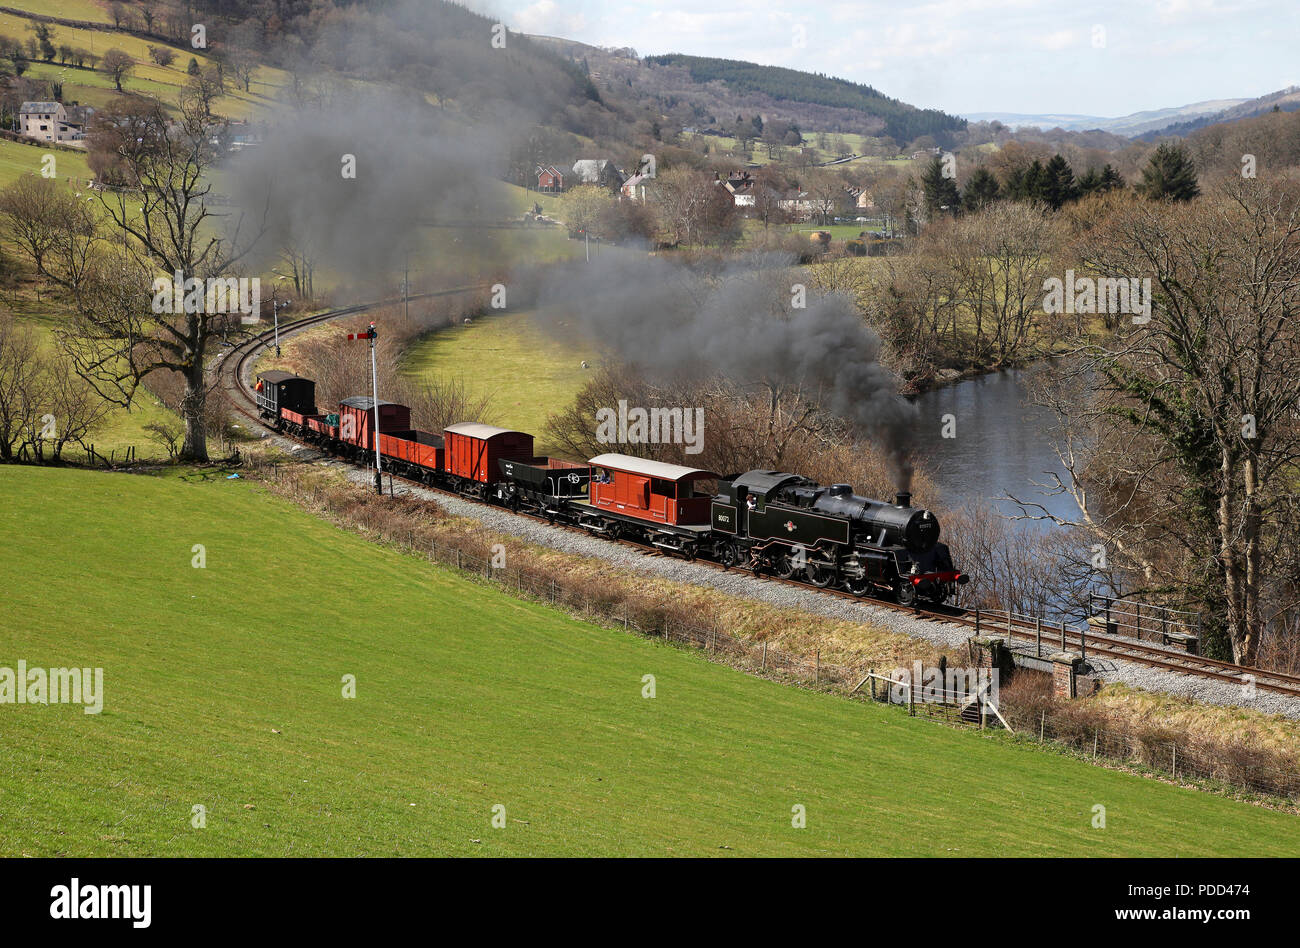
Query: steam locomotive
(767, 521)
(790, 525)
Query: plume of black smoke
(413, 172)
(739, 324)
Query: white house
(48, 122)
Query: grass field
(525, 372)
(67, 9)
(93, 87)
(222, 688)
(19, 158)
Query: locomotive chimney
(903, 498)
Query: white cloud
(548, 18)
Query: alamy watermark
(1098, 295)
(53, 686)
(179, 295)
(77, 900)
(651, 426)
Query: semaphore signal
(374, 382)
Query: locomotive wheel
(859, 587)
(784, 567)
(906, 594)
(726, 554)
(819, 576)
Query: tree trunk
(193, 407)
(1251, 617)
(1231, 562)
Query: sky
(1100, 57)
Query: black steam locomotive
(789, 524)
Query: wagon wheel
(689, 551)
(614, 530)
(858, 587)
(784, 567)
(906, 593)
(819, 576)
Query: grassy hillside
(67, 9)
(20, 158)
(527, 374)
(223, 689)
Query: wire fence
(1255, 769)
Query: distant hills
(1154, 123)
(902, 122)
(1134, 124)
(699, 90)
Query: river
(1003, 444)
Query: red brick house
(549, 179)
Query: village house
(598, 171)
(741, 186)
(51, 122)
(634, 187)
(549, 179)
(859, 198)
(797, 204)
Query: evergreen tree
(1059, 187)
(1099, 182)
(981, 190)
(940, 190)
(1027, 184)
(1169, 174)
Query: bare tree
(19, 384)
(118, 65)
(1196, 410)
(74, 410)
(32, 209)
(162, 55)
(120, 336)
(1000, 258)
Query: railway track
(233, 375)
(234, 364)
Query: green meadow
(224, 688)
